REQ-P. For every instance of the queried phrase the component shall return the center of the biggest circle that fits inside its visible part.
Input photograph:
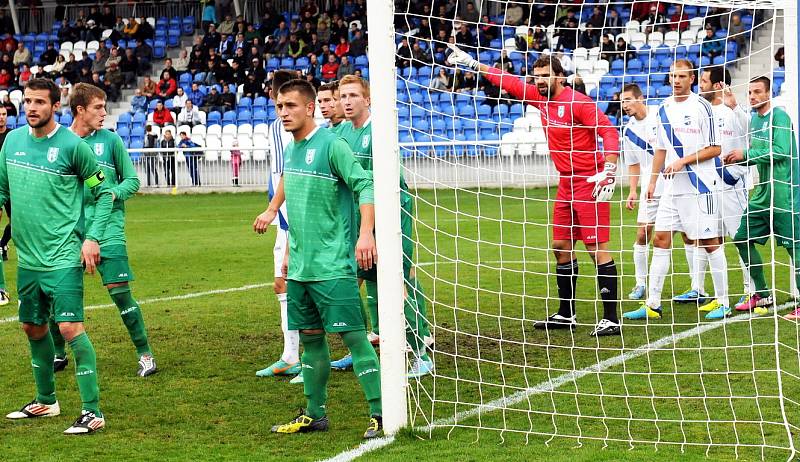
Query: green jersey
(44, 178)
(121, 179)
(320, 177)
(360, 141)
(773, 151)
(335, 128)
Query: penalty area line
(167, 299)
(557, 382)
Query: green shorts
(407, 227)
(333, 305)
(44, 293)
(114, 265)
(756, 227)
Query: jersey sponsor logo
(52, 154)
(98, 149)
(310, 153)
(20, 153)
(365, 141)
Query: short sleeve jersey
(686, 127)
(732, 136)
(44, 177)
(320, 178)
(638, 141)
(121, 178)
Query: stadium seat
(260, 117)
(243, 116)
(230, 129)
(66, 119)
(187, 25)
(260, 140)
(124, 118)
(245, 143)
(123, 131)
(215, 130)
(214, 118)
(260, 102)
(199, 130)
(213, 143)
(245, 129)
(287, 63)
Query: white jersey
(638, 141)
(733, 136)
(278, 139)
(684, 128)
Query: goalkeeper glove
(604, 182)
(461, 57)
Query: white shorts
(697, 215)
(647, 211)
(279, 250)
(734, 203)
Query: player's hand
(604, 182)
(651, 190)
(90, 255)
(263, 220)
(728, 97)
(633, 198)
(366, 251)
(736, 155)
(462, 58)
(671, 169)
(285, 265)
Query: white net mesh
(484, 185)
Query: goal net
(484, 186)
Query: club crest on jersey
(98, 149)
(561, 111)
(687, 120)
(52, 154)
(365, 141)
(310, 153)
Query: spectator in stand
(64, 101)
(166, 86)
(93, 31)
(189, 115)
(296, 47)
(712, 46)
(228, 98)
(179, 100)
(420, 57)
(114, 58)
(226, 26)
(99, 64)
(780, 57)
(240, 56)
(225, 48)
(214, 101)
(315, 46)
(238, 74)
(342, 48)
(608, 50)
(305, 34)
(598, 17)
(309, 8)
(131, 29)
(324, 32)
(129, 66)
(85, 76)
(568, 35)
(314, 68)
(468, 84)
(209, 17)
(182, 62)
(150, 158)
(443, 81)
(403, 55)
(464, 37)
(240, 42)
(236, 162)
(345, 68)
(644, 11)
(195, 95)
(138, 102)
(58, 66)
(24, 75)
(358, 46)
(680, 20)
(223, 73)
(251, 33)
(173, 73)
(86, 61)
(737, 32)
(338, 30)
(22, 55)
(613, 24)
(112, 82)
(162, 116)
(168, 142)
(144, 53)
(623, 51)
(281, 31)
(258, 69)
(252, 88)
(330, 69)
(590, 37)
(212, 38)
(71, 68)
(504, 62)
(119, 26)
(197, 63)
(148, 87)
(470, 14)
(11, 109)
(5, 79)
(49, 56)
(614, 108)
(192, 157)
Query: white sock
(659, 267)
(689, 248)
(640, 263)
(700, 265)
(719, 274)
(747, 282)
(291, 338)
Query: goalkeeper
(572, 123)
(773, 208)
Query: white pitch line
(553, 384)
(167, 299)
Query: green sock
(86, 372)
(422, 306)
(752, 260)
(58, 340)
(413, 326)
(316, 370)
(364, 315)
(372, 304)
(366, 367)
(42, 354)
(131, 315)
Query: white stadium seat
(245, 141)
(638, 39)
(229, 129)
(655, 39)
(260, 140)
(261, 128)
(214, 130)
(156, 130)
(245, 129)
(688, 37)
(580, 52)
(185, 128)
(672, 38)
(632, 26)
(77, 47)
(507, 149)
(212, 141)
(67, 46)
(199, 130)
(227, 142)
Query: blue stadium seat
(123, 131)
(245, 102)
(617, 67)
(664, 91)
(516, 110)
(260, 102)
(187, 25)
(406, 151)
(301, 63)
(287, 63)
(185, 79)
(199, 77)
(173, 36)
(244, 116)
(124, 119)
(500, 112)
(66, 119)
(11, 121)
(273, 63)
(214, 118)
(361, 61)
(260, 116)
(160, 49)
(229, 118)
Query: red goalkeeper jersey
(572, 123)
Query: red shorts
(577, 215)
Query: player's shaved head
(280, 77)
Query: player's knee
(70, 330)
(641, 236)
(661, 241)
(114, 285)
(33, 331)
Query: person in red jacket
(342, 48)
(572, 123)
(162, 116)
(330, 68)
(166, 87)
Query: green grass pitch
(207, 404)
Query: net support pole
(791, 55)
(386, 172)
